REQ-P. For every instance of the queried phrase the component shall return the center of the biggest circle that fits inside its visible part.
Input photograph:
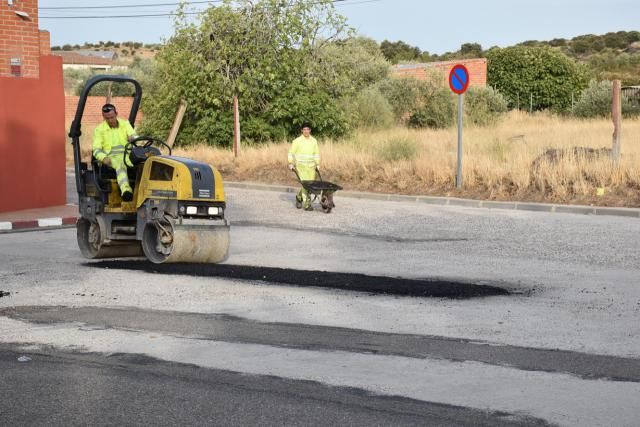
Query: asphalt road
(379, 313)
(57, 388)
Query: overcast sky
(434, 26)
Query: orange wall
(32, 139)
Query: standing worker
(304, 156)
(109, 141)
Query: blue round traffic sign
(459, 79)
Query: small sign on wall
(16, 67)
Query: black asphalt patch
(320, 279)
(221, 327)
(59, 388)
(4, 294)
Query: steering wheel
(144, 143)
(148, 142)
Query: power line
(151, 15)
(155, 15)
(126, 5)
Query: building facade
(32, 132)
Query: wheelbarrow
(318, 189)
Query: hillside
(126, 51)
(610, 56)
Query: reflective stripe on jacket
(304, 152)
(108, 141)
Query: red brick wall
(92, 114)
(19, 37)
(45, 42)
(32, 139)
(477, 70)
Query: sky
(433, 26)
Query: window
(161, 172)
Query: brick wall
(92, 114)
(45, 42)
(477, 70)
(19, 38)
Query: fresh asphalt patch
(61, 388)
(4, 293)
(219, 327)
(320, 279)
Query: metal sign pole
(459, 174)
(459, 82)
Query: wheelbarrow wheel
(326, 203)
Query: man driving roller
(109, 141)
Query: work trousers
(117, 162)
(306, 173)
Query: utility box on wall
(16, 67)
(32, 128)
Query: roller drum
(187, 243)
(93, 245)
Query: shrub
(547, 74)
(398, 149)
(369, 109)
(596, 100)
(401, 94)
(438, 111)
(483, 106)
(427, 102)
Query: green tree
(141, 70)
(348, 66)
(558, 42)
(399, 51)
(546, 74)
(267, 53)
(471, 50)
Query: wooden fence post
(108, 97)
(236, 127)
(173, 133)
(616, 116)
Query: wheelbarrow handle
(295, 170)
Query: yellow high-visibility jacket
(108, 141)
(305, 155)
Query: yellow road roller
(178, 209)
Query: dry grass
(497, 161)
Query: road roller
(178, 209)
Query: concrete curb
(452, 201)
(54, 222)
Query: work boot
(127, 196)
(308, 207)
(298, 201)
